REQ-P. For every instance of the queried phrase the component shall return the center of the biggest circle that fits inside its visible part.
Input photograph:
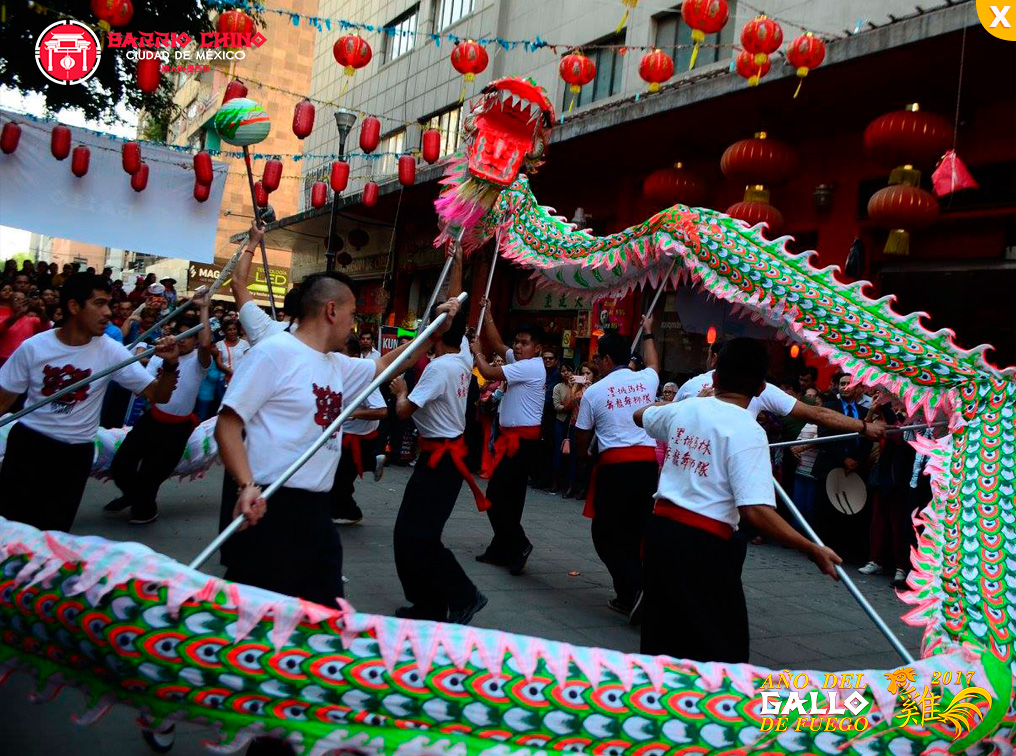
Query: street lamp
(344, 121)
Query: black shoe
(516, 568)
(489, 557)
(465, 615)
(417, 613)
(635, 616)
(619, 607)
(348, 516)
(119, 504)
(144, 514)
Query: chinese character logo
(329, 404)
(67, 52)
(961, 713)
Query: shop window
(391, 147)
(451, 12)
(400, 34)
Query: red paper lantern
(754, 213)
(340, 176)
(795, 352)
(260, 194)
(130, 157)
(9, 137)
(318, 194)
(672, 186)
(655, 68)
(407, 170)
(577, 70)
(148, 74)
(759, 160)
(203, 173)
(469, 58)
(805, 53)
(272, 176)
(711, 335)
(750, 70)
(369, 194)
(370, 134)
(352, 52)
(60, 142)
(761, 37)
(102, 9)
(900, 208)
(907, 136)
(139, 179)
(703, 17)
(303, 118)
(234, 89)
(202, 191)
(79, 161)
(121, 12)
(431, 145)
(234, 22)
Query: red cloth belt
(614, 457)
(354, 448)
(507, 443)
(457, 450)
(672, 511)
(165, 417)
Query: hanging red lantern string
(318, 194)
(60, 142)
(139, 179)
(655, 68)
(235, 22)
(671, 186)
(121, 12)
(407, 170)
(352, 52)
(370, 134)
(749, 69)
(272, 175)
(234, 89)
(130, 157)
(431, 145)
(79, 161)
(756, 162)
(703, 17)
(203, 173)
(805, 53)
(577, 70)
(469, 59)
(303, 118)
(902, 208)
(340, 176)
(761, 37)
(202, 191)
(10, 137)
(260, 194)
(148, 74)
(369, 194)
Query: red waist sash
(507, 444)
(165, 417)
(456, 449)
(672, 511)
(354, 448)
(613, 457)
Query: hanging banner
(205, 274)
(39, 193)
(525, 296)
(613, 315)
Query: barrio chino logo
(999, 19)
(68, 52)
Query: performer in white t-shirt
(519, 416)
(153, 447)
(359, 433)
(55, 445)
(717, 471)
(621, 486)
(257, 324)
(289, 388)
(435, 585)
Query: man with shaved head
(286, 392)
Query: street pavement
(799, 618)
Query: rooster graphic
(55, 378)
(329, 405)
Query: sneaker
(635, 616)
(142, 515)
(118, 504)
(616, 605)
(350, 516)
(417, 613)
(379, 468)
(519, 565)
(465, 615)
(899, 579)
(871, 568)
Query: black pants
(294, 549)
(693, 603)
(623, 504)
(42, 479)
(147, 457)
(346, 474)
(507, 494)
(431, 577)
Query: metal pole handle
(847, 436)
(656, 299)
(490, 281)
(841, 573)
(385, 375)
(257, 215)
(94, 377)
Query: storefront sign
(368, 266)
(525, 296)
(204, 274)
(613, 314)
(390, 336)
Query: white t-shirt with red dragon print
(287, 393)
(43, 365)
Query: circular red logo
(68, 52)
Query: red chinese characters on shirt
(55, 378)
(629, 397)
(463, 390)
(690, 452)
(329, 405)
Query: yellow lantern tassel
(697, 36)
(801, 73)
(624, 20)
(898, 242)
(462, 92)
(798, 90)
(3, 13)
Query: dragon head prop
(506, 133)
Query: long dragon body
(134, 627)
